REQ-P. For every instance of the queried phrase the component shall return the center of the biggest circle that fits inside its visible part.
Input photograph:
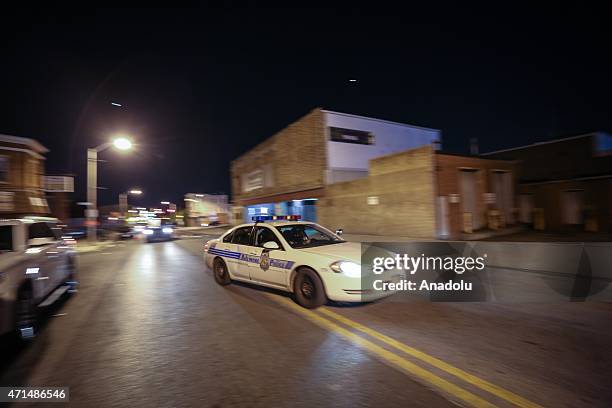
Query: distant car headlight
(350, 269)
(167, 230)
(147, 232)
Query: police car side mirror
(271, 245)
(339, 231)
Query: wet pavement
(150, 327)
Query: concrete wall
(291, 160)
(397, 198)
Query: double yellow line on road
(324, 318)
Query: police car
(284, 253)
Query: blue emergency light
(263, 218)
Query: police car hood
(345, 251)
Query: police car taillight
(262, 218)
(206, 245)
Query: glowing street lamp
(122, 143)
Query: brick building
(370, 176)
(423, 193)
(289, 172)
(565, 184)
(59, 189)
(21, 177)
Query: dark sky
(200, 86)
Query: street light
(123, 200)
(121, 143)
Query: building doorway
(469, 196)
(443, 222)
(572, 206)
(526, 208)
(502, 184)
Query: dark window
(6, 238)
(242, 236)
(40, 230)
(4, 169)
(228, 237)
(263, 235)
(351, 136)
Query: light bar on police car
(262, 218)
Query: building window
(31, 173)
(38, 202)
(6, 238)
(252, 181)
(351, 136)
(4, 169)
(7, 201)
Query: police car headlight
(350, 269)
(167, 230)
(147, 232)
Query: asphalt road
(150, 327)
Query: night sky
(200, 86)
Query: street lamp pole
(92, 183)
(92, 193)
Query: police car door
(273, 267)
(235, 257)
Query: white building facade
(352, 141)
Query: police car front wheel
(308, 289)
(220, 271)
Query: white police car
(284, 253)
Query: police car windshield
(307, 235)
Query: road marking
(401, 363)
(457, 372)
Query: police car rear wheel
(308, 289)
(220, 270)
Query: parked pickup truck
(36, 268)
